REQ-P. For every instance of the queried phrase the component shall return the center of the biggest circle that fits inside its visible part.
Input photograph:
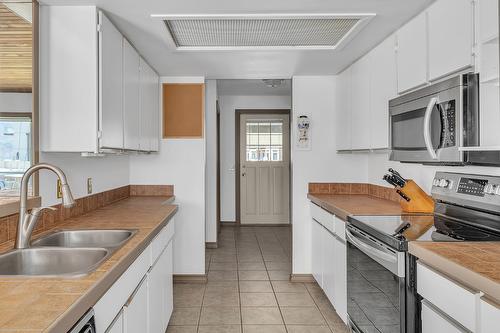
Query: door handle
(427, 128)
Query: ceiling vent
(250, 32)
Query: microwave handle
(427, 127)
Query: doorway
(263, 167)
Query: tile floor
(248, 290)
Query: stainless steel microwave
(430, 124)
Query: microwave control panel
(448, 119)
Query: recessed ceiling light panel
(263, 32)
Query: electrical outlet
(89, 185)
(59, 189)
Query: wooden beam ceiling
(16, 52)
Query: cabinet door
(343, 112)
(360, 104)
(450, 37)
(149, 108)
(489, 316)
(340, 287)
(329, 265)
(412, 53)
(117, 324)
(131, 119)
(155, 131)
(433, 321)
(111, 84)
(383, 87)
(317, 255)
(136, 309)
(161, 292)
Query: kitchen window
(264, 141)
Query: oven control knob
(435, 182)
(489, 189)
(444, 183)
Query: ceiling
(15, 50)
(252, 88)
(149, 35)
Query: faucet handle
(38, 210)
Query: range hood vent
(249, 32)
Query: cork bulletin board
(183, 106)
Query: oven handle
(427, 127)
(371, 248)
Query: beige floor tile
(222, 276)
(261, 316)
(221, 285)
(253, 276)
(217, 315)
(182, 329)
(302, 316)
(220, 329)
(258, 299)
(221, 298)
(340, 328)
(255, 287)
(307, 329)
(294, 299)
(331, 316)
(223, 266)
(288, 287)
(185, 316)
(223, 258)
(278, 266)
(264, 329)
(251, 266)
(279, 275)
(188, 299)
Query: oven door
(427, 129)
(375, 285)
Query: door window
(264, 141)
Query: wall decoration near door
(264, 168)
(303, 136)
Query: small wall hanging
(303, 140)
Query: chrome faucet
(28, 221)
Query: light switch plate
(89, 185)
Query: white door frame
(238, 113)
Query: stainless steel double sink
(65, 253)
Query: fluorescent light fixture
(254, 32)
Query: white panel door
(360, 103)
(412, 53)
(450, 37)
(329, 265)
(489, 316)
(343, 112)
(264, 168)
(383, 87)
(433, 321)
(135, 312)
(131, 90)
(111, 84)
(317, 252)
(340, 288)
(117, 324)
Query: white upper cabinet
(383, 87)
(451, 37)
(90, 94)
(131, 107)
(360, 104)
(111, 90)
(149, 101)
(343, 112)
(412, 53)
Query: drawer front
(433, 321)
(490, 316)
(323, 217)
(340, 228)
(456, 301)
(161, 240)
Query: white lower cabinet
(329, 261)
(141, 300)
(434, 321)
(489, 316)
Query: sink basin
(85, 238)
(51, 261)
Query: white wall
(211, 155)
(313, 96)
(106, 172)
(228, 104)
(16, 102)
(180, 162)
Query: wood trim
(151, 190)
(190, 278)
(302, 278)
(237, 118)
(211, 245)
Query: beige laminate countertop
(343, 205)
(474, 264)
(54, 305)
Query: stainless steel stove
(380, 279)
